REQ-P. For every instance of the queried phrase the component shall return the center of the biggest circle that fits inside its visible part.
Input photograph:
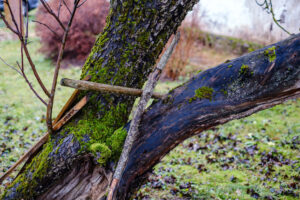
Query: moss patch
(271, 53)
(244, 69)
(203, 93)
(103, 134)
(101, 152)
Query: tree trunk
(78, 161)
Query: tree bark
(232, 90)
(68, 167)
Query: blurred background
(257, 157)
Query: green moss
(27, 182)
(229, 66)
(115, 142)
(101, 152)
(203, 93)
(102, 131)
(224, 92)
(244, 69)
(271, 53)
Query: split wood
(133, 130)
(57, 124)
(86, 85)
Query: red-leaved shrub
(89, 20)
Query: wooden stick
(44, 139)
(69, 102)
(137, 115)
(86, 85)
(71, 113)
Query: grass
(252, 158)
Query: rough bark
(135, 34)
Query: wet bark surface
(239, 88)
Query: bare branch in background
(48, 27)
(27, 22)
(57, 68)
(20, 36)
(12, 67)
(58, 12)
(50, 11)
(67, 7)
(81, 3)
(268, 6)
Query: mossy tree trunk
(78, 161)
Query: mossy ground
(227, 163)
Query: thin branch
(275, 20)
(133, 130)
(31, 87)
(26, 53)
(67, 7)
(81, 3)
(268, 6)
(13, 17)
(7, 24)
(58, 64)
(59, 7)
(48, 27)
(50, 11)
(27, 22)
(34, 69)
(26, 79)
(86, 85)
(12, 67)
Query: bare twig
(268, 6)
(31, 87)
(7, 24)
(81, 3)
(48, 27)
(133, 130)
(37, 76)
(27, 22)
(86, 85)
(58, 64)
(19, 34)
(13, 17)
(59, 7)
(12, 67)
(50, 11)
(67, 7)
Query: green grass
(254, 157)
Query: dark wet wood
(236, 95)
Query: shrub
(89, 20)
(178, 61)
